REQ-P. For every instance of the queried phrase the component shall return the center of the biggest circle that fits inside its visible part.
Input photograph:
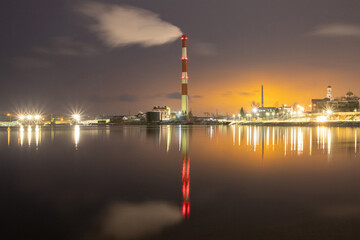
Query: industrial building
(159, 114)
(348, 103)
(184, 79)
(265, 112)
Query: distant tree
(191, 116)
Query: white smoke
(337, 30)
(129, 220)
(124, 25)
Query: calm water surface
(171, 182)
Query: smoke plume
(124, 25)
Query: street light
(76, 117)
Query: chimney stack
(184, 79)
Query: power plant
(184, 79)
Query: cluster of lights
(29, 117)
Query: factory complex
(327, 109)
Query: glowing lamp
(76, 117)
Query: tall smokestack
(262, 96)
(184, 79)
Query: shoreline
(270, 123)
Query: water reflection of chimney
(185, 173)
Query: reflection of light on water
(255, 138)
(310, 143)
(329, 141)
(239, 135)
(37, 130)
(323, 137)
(21, 135)
(77, 136)
(267, 137)
(180, 136)
(285, 145)
(355, 139)
(8, 132)
(168, 138)
(211, 132)
(273, 138)
(233, 130)
(300, 143)
(247, 135)
(291, 138)
(318, 136)
(29, 135)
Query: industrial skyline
(69, 53)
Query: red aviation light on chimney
(184, 37)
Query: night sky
(116, 57)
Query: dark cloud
(127, 98)
(29, 63)
(246, 93)
(174, 95)
(197, 96)
(66, 46)
(227, 94)
(204, 48)
(337, 30)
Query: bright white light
(37, 117)
(29, 117)
(329, 111)
(76, 117)
(21, 117)
(267, 114)
(254, 110)
(300, 108)
(321, 119)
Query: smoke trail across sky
(119, 25)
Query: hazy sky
(124, 56)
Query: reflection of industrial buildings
(348, 103)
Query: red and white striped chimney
(184, 78)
